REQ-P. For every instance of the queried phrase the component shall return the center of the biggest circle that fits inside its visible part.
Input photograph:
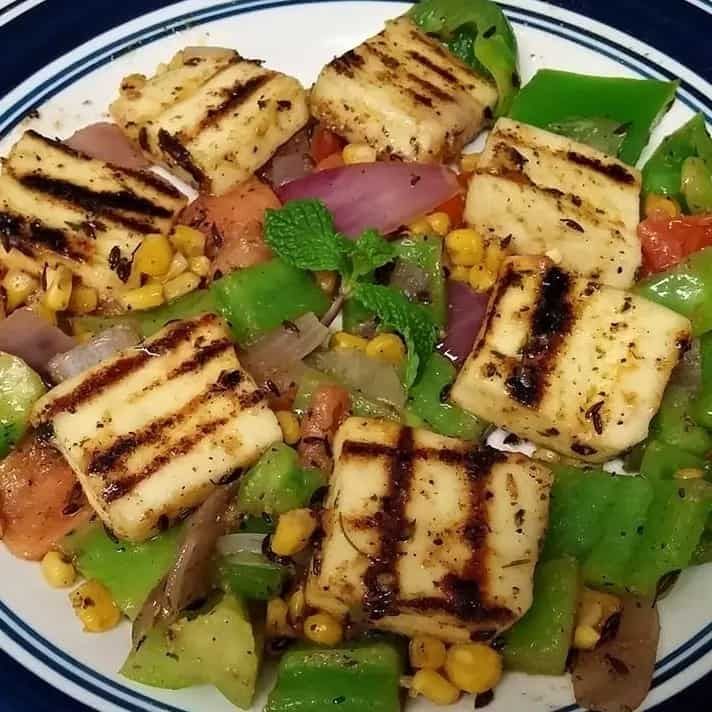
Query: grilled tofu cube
(213, 120)
(404, 94)
(152, 431)
(61, 207)
(426, 534)
(569, 363)
(547, 194)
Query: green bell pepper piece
(605, 135)
(539, 643)
(251, 575)
(696, 185)
(662, 174)
(703, 550)
(675, 426)
(554, 98)
(479, 34)
(256, 299)
(216, 646)
(661, 461)
(701, 408)
(426, 402)
(130, 571)
(277, 483)
(20, 388)
(685, 288)
(352, 677)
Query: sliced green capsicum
(675, 426)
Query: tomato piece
(665, 241)
(454, 207)
(325, 143)
(333, 161)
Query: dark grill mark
(347, 63)
(251, 399)
(421, 98)
(154, 181)
(180, 155)
(583, 449)
(572, 224)
(594, 415)
(354, 448)
(201, 357)
(614, 171)
(386, 60)
(236, 96)
(446, 74)
(550, 323)
(15, 228)
(436, 91)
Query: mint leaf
(302, 233)
(413, 322)
(369, 253)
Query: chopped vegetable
(353, 676)
(675, 426)
(666, 241)
(325, 143)
(701, 407)
(107, 142)
(661, 460)
(555, 99)
(252, 576)
(466, 311)
(605, 135)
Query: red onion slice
(466, 310)
(108, 143)
(382, 196)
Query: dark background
(673, 26)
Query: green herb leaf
(302, 233)
(412, 321)
(369, 253)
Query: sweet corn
(473, 667)
(427, 652)
(421, 226)
(655, 203)
(323, 629)
(293, 531)
(290, 426)
(358, 153)
(18, 287)
(276, 619)
(494, 256)
(180, 285)
(480, 278)
(146, 297)
(84, 300)
(689, 473)
(297, 605)
(585, 637)
(434, 687)
(95, 607)
(460, 273)
(199, 265)
(189, 241)
(57, 571)
(154, 256)
(388, 348)
(179, 264)
(326, 281)
(343, 340)
(59, 288)
(439, 223)
(469, 162)
(465, 247)
(596, 607)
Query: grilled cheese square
(60, 206)
(404, 94)
(547, 194)
(152, 431)
(569, 363)
(220, 125)
(427, 535)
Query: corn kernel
(585, 637)
(297, 605)
(290, 426)
(293, 532)
(95, 607)
(388, 348)
(154, 256)
(469, 162)
(57, 571)
(494, 256)
(421, 226)
(146, 297)
(473, 667)
(427, 652)
(655, 203)
(465, 247)
(460, 273)
(439, 223)
(690, 473)
(189, 241)
(323, 629)
(41, 309)
(434, 687)
(59, 288)
(343, 340)
(481, 279)
(596, 607)
(18, 287)
(179, 264)
(180, 285)
(199, 266)
(358, 153)
(326, 281)
(84, 300)
(276, 619)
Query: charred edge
(386, 60)
(120, 488)
(347, 63)
(202, 356)
(251, 399)
(550, 323)
(462, 599)
(15, 228)
(352, 448)
(436, 91)
(180, 155)
(614, 171)
(446, 74)
(235, 96)
(114, 372)
(380, 579)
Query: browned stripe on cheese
(181, 157)
(614, 171)
(441, 71)
(235, 96)
(151, 180)
(431, 88)
(450, 456)
(202, 356)
(347, 63)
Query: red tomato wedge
(233, 224)
(328, 409)
(666, 241)
(454, 207)
(325, 143)
(40, 499)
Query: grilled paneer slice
(60, 206)
(151, 431)
(214, 118)
(547, 194)
(569, 363)
(404, 94)
(426, 534)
